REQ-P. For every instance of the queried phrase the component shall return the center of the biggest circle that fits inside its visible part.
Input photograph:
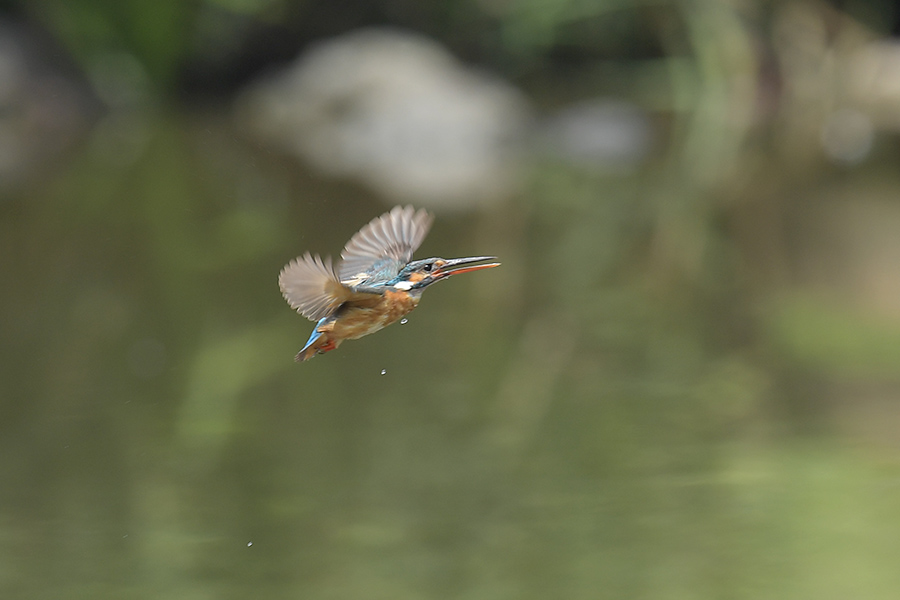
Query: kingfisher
(375, 283)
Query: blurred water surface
(682, 382)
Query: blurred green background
(683, 382)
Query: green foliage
(157, 33)
(813, 332)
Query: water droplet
(249, 544)
(383, 371)
(404, 321)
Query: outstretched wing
(385, 245)
(312, 288)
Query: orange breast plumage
(354, 322)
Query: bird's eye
(427, 268)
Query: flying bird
(375, 283)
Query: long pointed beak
(455, 266)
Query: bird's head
(419, 274)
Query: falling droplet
(249, 544)
(383, 371)
(404, 321)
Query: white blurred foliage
(874, 81)
(397, 112)
(841, 82)
(847, 136)
(600, 132)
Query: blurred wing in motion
(384, 246)
(311, 287)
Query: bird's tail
(318, 343)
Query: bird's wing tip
(311, 286)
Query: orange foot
(327, 346)
(316, 346)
